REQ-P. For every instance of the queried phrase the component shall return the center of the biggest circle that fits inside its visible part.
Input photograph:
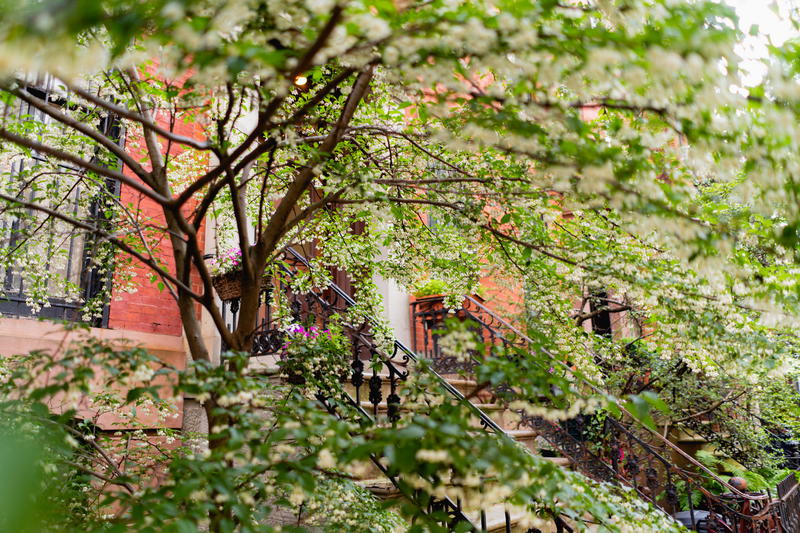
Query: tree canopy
(570, 148)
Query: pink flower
(295, 328)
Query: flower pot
(229, 285)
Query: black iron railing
(640, 458)
(367, 378)
(429, 320)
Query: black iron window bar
(79, 258)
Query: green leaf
(640, 409)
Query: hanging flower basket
(229, 285)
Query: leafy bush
(314, 357)
(431, 287)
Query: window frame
(13, 301)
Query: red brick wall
(149, 309)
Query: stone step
(381, 488)
(526, 437)
(499, 414)
(268, 365)
(495, 515)
(385, 490)
(264, 365)
(507, 419)
(375, 481)
(563, 462)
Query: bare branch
(147, 124)
(56, 113)
(580, 318)
(264, 117)
(418, 146)
(319, 43)
(263, 192)
(485, 225)
(97, 231)
(154, 151)
(319, 96)
(716, 405)
(273, 231)
(98, 475)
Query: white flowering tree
(573, 148)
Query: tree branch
(264, 117)
(728, 398)
(157, 159)
(86, 165)
(97, 231)
(580, 318)
(56, 113)
(147, 124)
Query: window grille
(72, 278)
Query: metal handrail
(686, 476)
(622, 409)
(485, 419)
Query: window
(63, 258)
(601, 322)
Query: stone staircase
(633, 456)
(508, 420)
(495, 519)
(374, 387)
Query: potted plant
(430, 289)
(434, 289)
(226, 269)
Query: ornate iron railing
(640, 459)
(622, 455)
(789, 494)
(318, 305)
